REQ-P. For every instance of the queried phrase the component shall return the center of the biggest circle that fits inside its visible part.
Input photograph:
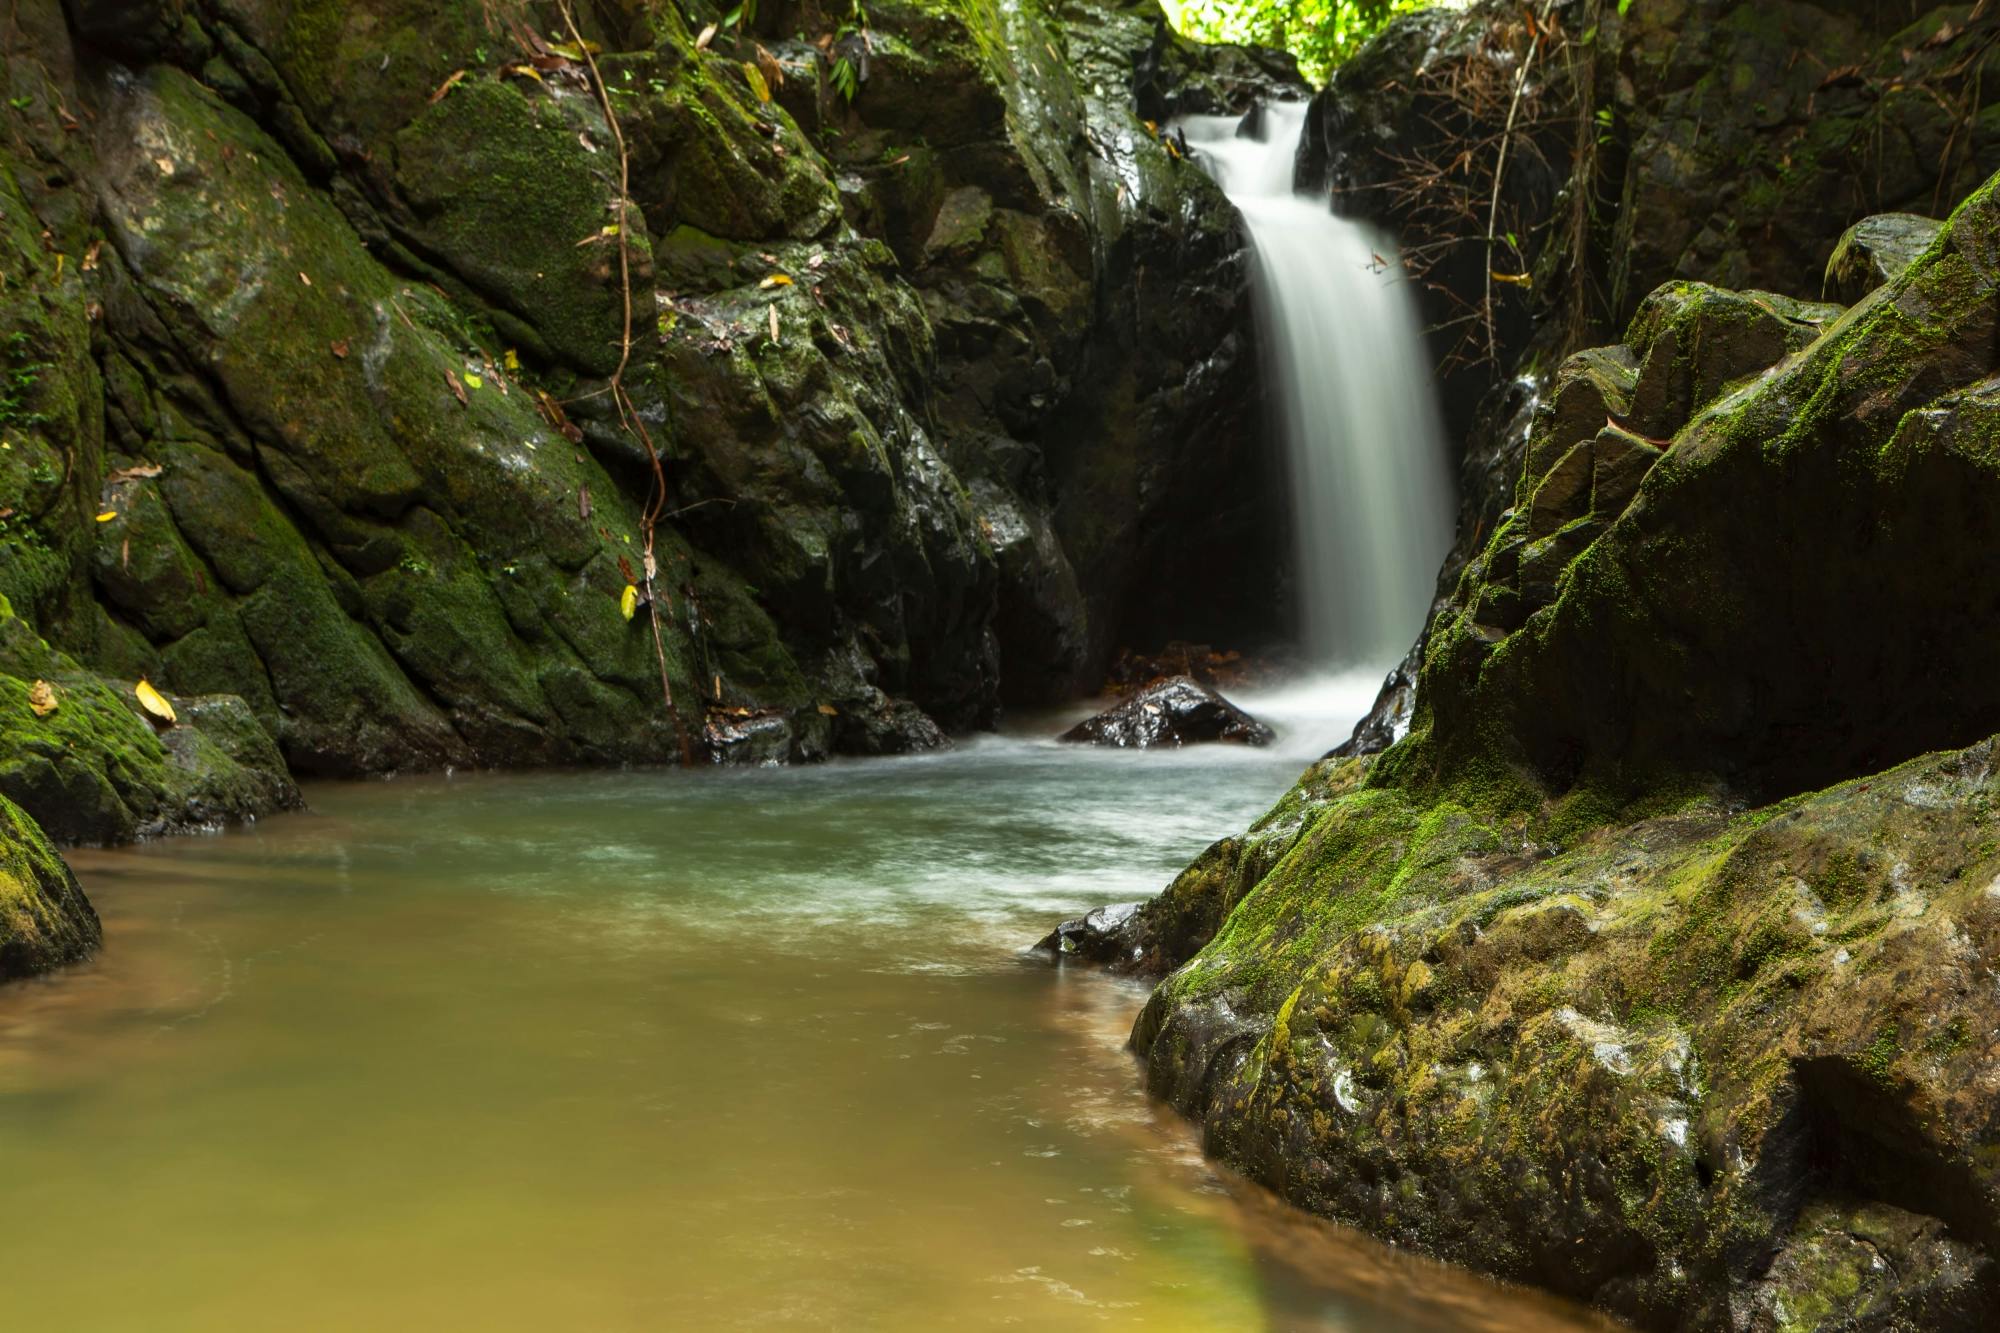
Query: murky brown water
(651, 1051)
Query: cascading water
(1371, 496)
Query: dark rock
(1875, 251)
(1172, 713)
(1102, 935)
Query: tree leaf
(628, 601)
(755, 78)
(42, 699)
(154, 702)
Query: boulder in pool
(1171, 713)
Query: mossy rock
(1634, 1068)
(1784, 603)
(45, 921)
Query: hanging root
(656, 499)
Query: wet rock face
(1176, 712)
(328, 303)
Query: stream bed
(655, 1050)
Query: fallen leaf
(775, 280)
(625, 568)
(339, 349)
(90, 256)
(125, 554)
(136, 472)
(511, 359)
(446, 87)
(42, 699)
(473, 381)
(628, 601)
(107, 516)
(829, 710)
(526, 72)
(755, 78)
(154, 702)
(583, 500)
(457, 389)
(707, 35)
(307, 281)
(1515, 279)
(774, 323)
(718, 687)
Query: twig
(1500, 171)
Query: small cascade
(1372, 498)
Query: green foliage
(1321, 33)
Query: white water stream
(1355, 394)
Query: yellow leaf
(707, 36)
(829, 710)
(473, 381)
(107, 516)
(628, 601)
(775, 280)
(611, 229)
(773, 310)
(154, 702)
(1515, 279)
(512, 360)
(755, 78)
(42, 698)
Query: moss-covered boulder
(45, 921)
(1696, 1070)
(1786, 600)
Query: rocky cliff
(338, 340)
(1655, 964)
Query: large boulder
(1707, 1071)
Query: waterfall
(1352, 382)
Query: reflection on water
(647, 1051)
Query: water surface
(654, 1050)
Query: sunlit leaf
(755, 78)
(107, 516)
(154, 702)
(776, 280)
(628, 601)
(42, 699)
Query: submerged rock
(45, 921)
(1175, 712)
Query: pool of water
(657, 1050)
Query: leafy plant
(1321, 33)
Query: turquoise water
(654, 1050)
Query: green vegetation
(1321, 33)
